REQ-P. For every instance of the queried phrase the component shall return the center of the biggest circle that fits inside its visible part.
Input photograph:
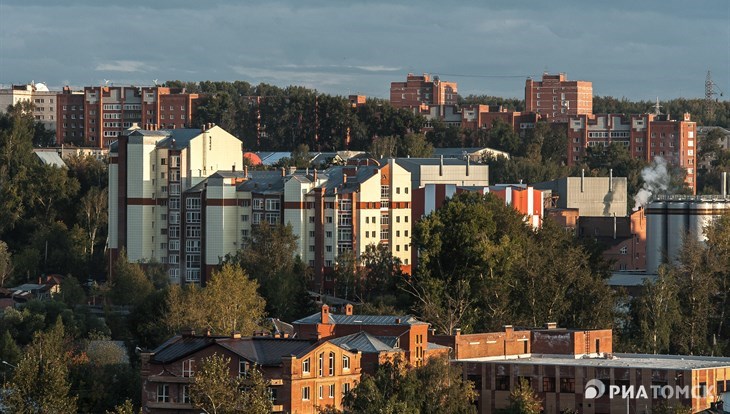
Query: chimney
(283, 172)
(723, 190)
(614, 226)
(441, 165)
(508, 329)
(431, 332)
(457, 331)
(188, 333)
(314, 176)
(582, 179)
(344, 178)
(245, 171)
(233, 167)
(551, 325)
(468, 158)
(325, 314)
(348, 309)
(610, 180)
(235, 335)
(397, 321)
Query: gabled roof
(179, 347)
(182, 137)
(263, 182)
(364, 342)
(265, 350)
(385, 320)
(50, 158)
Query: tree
(92, 215)
(415, 146)
(9, 352)
(72, 294)
(126, 408)
(384, 147)
(130, 284)
(503, 137)
(652, 333)
(229, 303)
(215, 390)
(436, 387)
(6, 263)
(40, 382)
(523, 400)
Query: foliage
(6, 263)
(40, 382)
(214, 390)
(130, 284)
(523, 400)
(436, 387)
(125, 408)
(267, 257)
(229, 303)
(103, 386)
(675, 107)
(72, 294)
(410, 145)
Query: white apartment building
(44, 101)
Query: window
(321, 364)
(163, 393)
(305, 366)
(345, 363)
(311, 219)
(186, 394)
(332, 364)
(311, 233)
(332, 390)
(384, 191)
(174, 245)
(173, 232)
(192, 216)
(175, 188)
(384, 219)
(244, 217)
(258, 203)
(272, 204)
(305, 394)
(188, 368)
(257, 218)
(624, 250)
(328, 234)
(272, 218)
(321, 392)
(384, 234)
(174, 203)
(328, 220)
(192, 232)
(192, 246)
(345, 388)
(328, 249)
(502, 383)
(192, 203)
(567, 384)
(243, 368)
(548, 384)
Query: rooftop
(679, 362)
(365, 343)
(385, 320)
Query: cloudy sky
(636, 49)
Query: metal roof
(679, 362)
(50, 158)
(363, 342)
(182, 137)
(387, 320)
(265, 350)
(180, 347)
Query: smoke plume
(656, 180)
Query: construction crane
(711, 89)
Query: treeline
(674, 107)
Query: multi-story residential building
(103, 112)
(577, 371)
(303, 374)
(556, 98)
(419, 92)
(148, 172)
(645, 136)
(44, 101)
(482, 117)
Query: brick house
(304, 374)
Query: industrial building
(591, 196)
(671, 219)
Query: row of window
(306, 395)
(306, 365)
(271, 204)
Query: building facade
(419, 92)
(98, 115)
(591, 196)
(645, 136)
(303, 375)
(623, 238)
(556, 98)
(44, 101)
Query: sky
(640, 50)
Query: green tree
(384, 147)
(229, 303)
(92, 215)
(6, 263)
(125, 408)
(436, 387)
(503, 137)
(415, 146)
(72, 293)
(40, 382)
(9, 352)
(215, 390)
(130, 285)
(523, 400)
(656, 313)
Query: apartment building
(303, 374)
(44, 101)
(419, 92)
(99, 114)
(148, 172)
(576, 370)
(556, 98)
(483, 117)
(645, 136)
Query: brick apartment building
(475, 117)
(645, 136)
(556, 98)
(623, 238)
(98, 115)
(559, 363)
(419, 92)
(303, 374)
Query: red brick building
(483, 117)
(623, 238)
(419, 92)
(646, 136)
(402, 331)
(97, 116)
(303, 374)
(556, 98)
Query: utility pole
(711, 89)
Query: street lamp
(9, 364)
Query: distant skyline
(640, 50)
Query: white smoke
(656, 180)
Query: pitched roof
(265, 350)
(181, 137)
(179, 347)
(363, 342)
(389, 320)
(50, 158)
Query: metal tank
(677, 227)
(656, 235)
(701, 214)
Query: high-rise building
(556, 98)
(148, 172)
(645, 136)
(106, 111)
(420, 92)
(44, 101)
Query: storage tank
(701, 214)
(656, 235)
(677, 227)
